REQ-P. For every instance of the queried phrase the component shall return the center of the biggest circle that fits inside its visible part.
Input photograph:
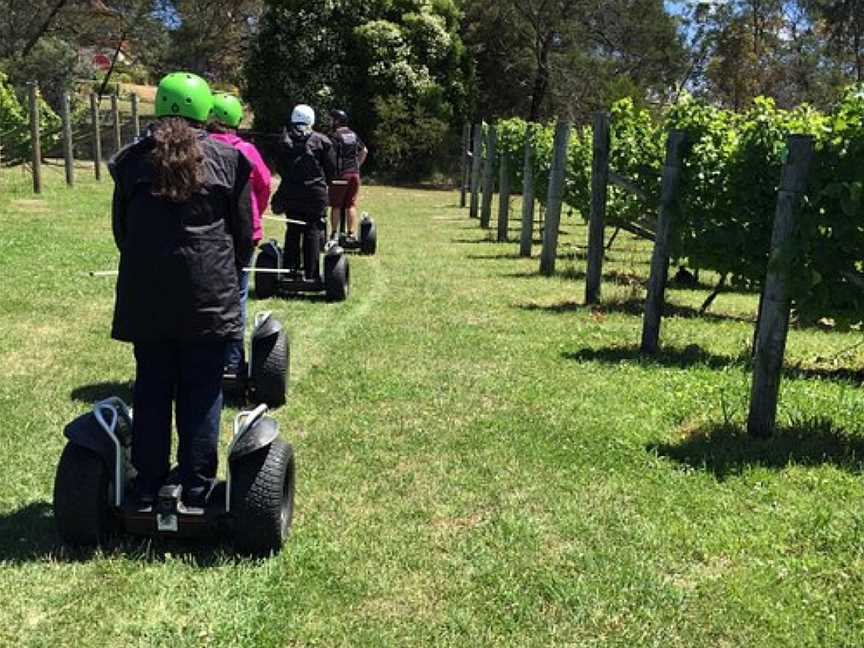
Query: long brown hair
(177, 158)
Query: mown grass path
(481, 459)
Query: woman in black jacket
(183, 224)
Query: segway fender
(265, 327)
(272, 248)
(86, 432)
(334, 251)
(260, 435)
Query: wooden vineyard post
(35, 137)
(476, 161)
(136, 120)
(115, 118)
(527, 232)
(599, 194)
(463, 173)
(504, 198)
(68, 151)
(554, 199)
(489, 176)
(97, 136)
(775, 303)
(675, 146)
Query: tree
(390, 64)
(843, 22)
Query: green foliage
(389, 65)
(15, 125)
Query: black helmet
(339, 117)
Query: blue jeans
(234, 353)
(188, 374)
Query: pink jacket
(261, 179)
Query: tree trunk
(541, 80)
(44, 28)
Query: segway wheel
(265, 282)
(271, 362)
(337, 277)
(369, 241)
(262, 499)
(81, 497)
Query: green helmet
(182, 94)
(228, 110)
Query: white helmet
(303, 114)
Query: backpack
(300, 166)
(347, 150)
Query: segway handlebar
(289, 221)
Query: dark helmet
(339, 117)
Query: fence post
(136, 122)
(599, 194)
(554, 199)
(115, 117)
(675, 146)
(504, 198)
(527, 233)
(35, 137)
(97, 136)
(68, 151)
(463, 178)
(489, 176)
(476, 161)
(774, 312)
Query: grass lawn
(481, 459)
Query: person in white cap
(306, 163)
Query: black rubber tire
(271, 367)
(262, 499)
(337, 277)
(81, 509)
(370, 242)
(265, 282)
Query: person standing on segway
(227, 115)
(351, 153)
(306, 164)
(182, 220)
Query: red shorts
(344, 191)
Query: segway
(273, 278)
(254, 505)
(368, 241)
(264, 378)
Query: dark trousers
(188, 374)
(312, 235)
(234, 353)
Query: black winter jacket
(306, 164)
(179, 262)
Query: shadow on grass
(633, 306)
(727, 450)
(30, 535)
(494, 257)
(100, 391)
(693, 355)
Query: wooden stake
(774, 312)
(675, 146)
(504, 199)
(35, 137)
(476, 161)
(489, 176)
(136, 120)
(68, 151)
(527, 233)
(554, 199)
(463, 176)
(97, 135)
(115, 118)
(599, 196)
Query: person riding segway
(264, 373)
(351, 153)
(306, 163)
(182, 221)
